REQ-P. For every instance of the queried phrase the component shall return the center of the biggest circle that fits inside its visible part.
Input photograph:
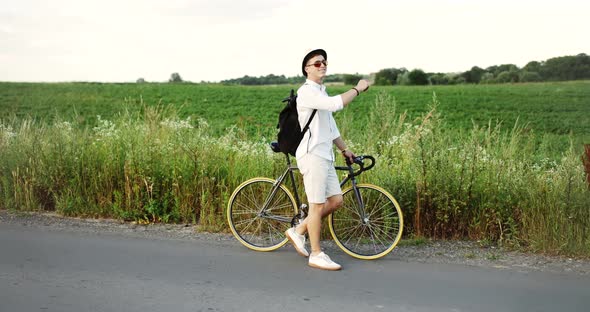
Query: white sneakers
(298, 241)
(322, 261)
(319, 261)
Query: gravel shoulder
(449, 252)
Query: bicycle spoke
(383, 226)
(279, 207)
(241, 222)
(251, 198)
(356, 229)
(244, 230)
(380, 209)
(244, 213)
(346, 231)
(374, 235)
(274, 228)
(254, 233)
(354, 211)
(254, 227)
(246, 208)
(269, 233)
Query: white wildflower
(393, 140)
(105, 129)
(202, 123)
(6, 132)
(64, 126)
(176, 124)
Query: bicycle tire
(253, 230)
(382, 230)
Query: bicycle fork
(360, 202)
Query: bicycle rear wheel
(257, 228)
(379, 232)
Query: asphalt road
(42, 270)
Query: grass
(470, 255)
(415, 241)
(508, 184)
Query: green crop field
(547, 108)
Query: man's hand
(349, 155)
(362, 85)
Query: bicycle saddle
(274, 146)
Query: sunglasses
(318, 64)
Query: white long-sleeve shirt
(322, 131)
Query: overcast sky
(123, 40)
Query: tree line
(274, 79)
(554, 69)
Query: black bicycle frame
(275, 188)
(289, 172)
(351, 176)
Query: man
(315, 155)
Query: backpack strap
(310, 118)
(309, 121)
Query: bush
(418, 77)
(527, 76)
(175, 77)
(388, 76)
(473, 75)
(403, 79)
(487, 78)
(454, 79)
(507, 77)
(439, 79)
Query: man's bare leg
(333, 203)
(314, 227)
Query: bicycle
(367, 226)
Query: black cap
(310, 55)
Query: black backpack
(290, 133)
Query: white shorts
(319, 178)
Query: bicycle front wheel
(258, 227)
(370, 232)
